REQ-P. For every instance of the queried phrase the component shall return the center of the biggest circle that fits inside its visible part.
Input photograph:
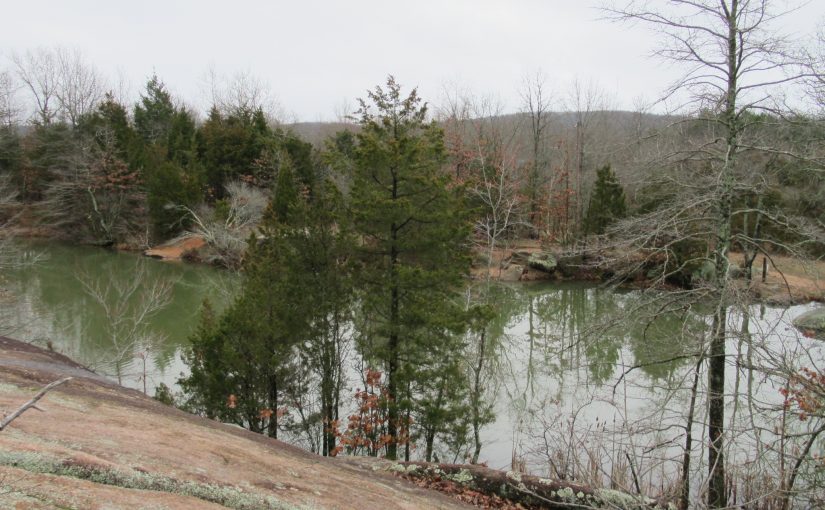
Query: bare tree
(242, 94)
(536, 101)
(61, 83)
(93, 195)
(485, 155)
(80, 86)
(39, 71)
(732, 61)
(8, 207)
(814, 61)
(9, 108)
(586, 101)
(454, 113)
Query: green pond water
(50, 301)
(576, 368)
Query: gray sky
(317, 54)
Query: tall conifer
(414, 233)
(607, 202)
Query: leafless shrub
(10, 255)
(226, 230)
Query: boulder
(512, 273)
(542, 261)
(520, 257)
(706, 271)
(812, 323)
(570, 265)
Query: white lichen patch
(616, 499)
(462, 477)
(397, 468)
(567, 494)
(514, 475)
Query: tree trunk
(273, 400)
(716, 411)
(393, 345)
(328, 436)
(751, 249)
(477, 390)
(407, 424)
(684, 498)
(717, 497)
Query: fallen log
(525, 490)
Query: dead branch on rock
(31, 403)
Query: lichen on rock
(543, 261)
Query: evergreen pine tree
(242, 363)
(319, 272)
(230, 146)
(108, 125)
(173, 176)
(154, 113)
(414, 231)
(607, 202)
(167, 154)
(296, 293)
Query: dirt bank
(177, 249)
(788, 280)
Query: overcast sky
(315, 54)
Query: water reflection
(596, 385)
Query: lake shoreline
(789, 281)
